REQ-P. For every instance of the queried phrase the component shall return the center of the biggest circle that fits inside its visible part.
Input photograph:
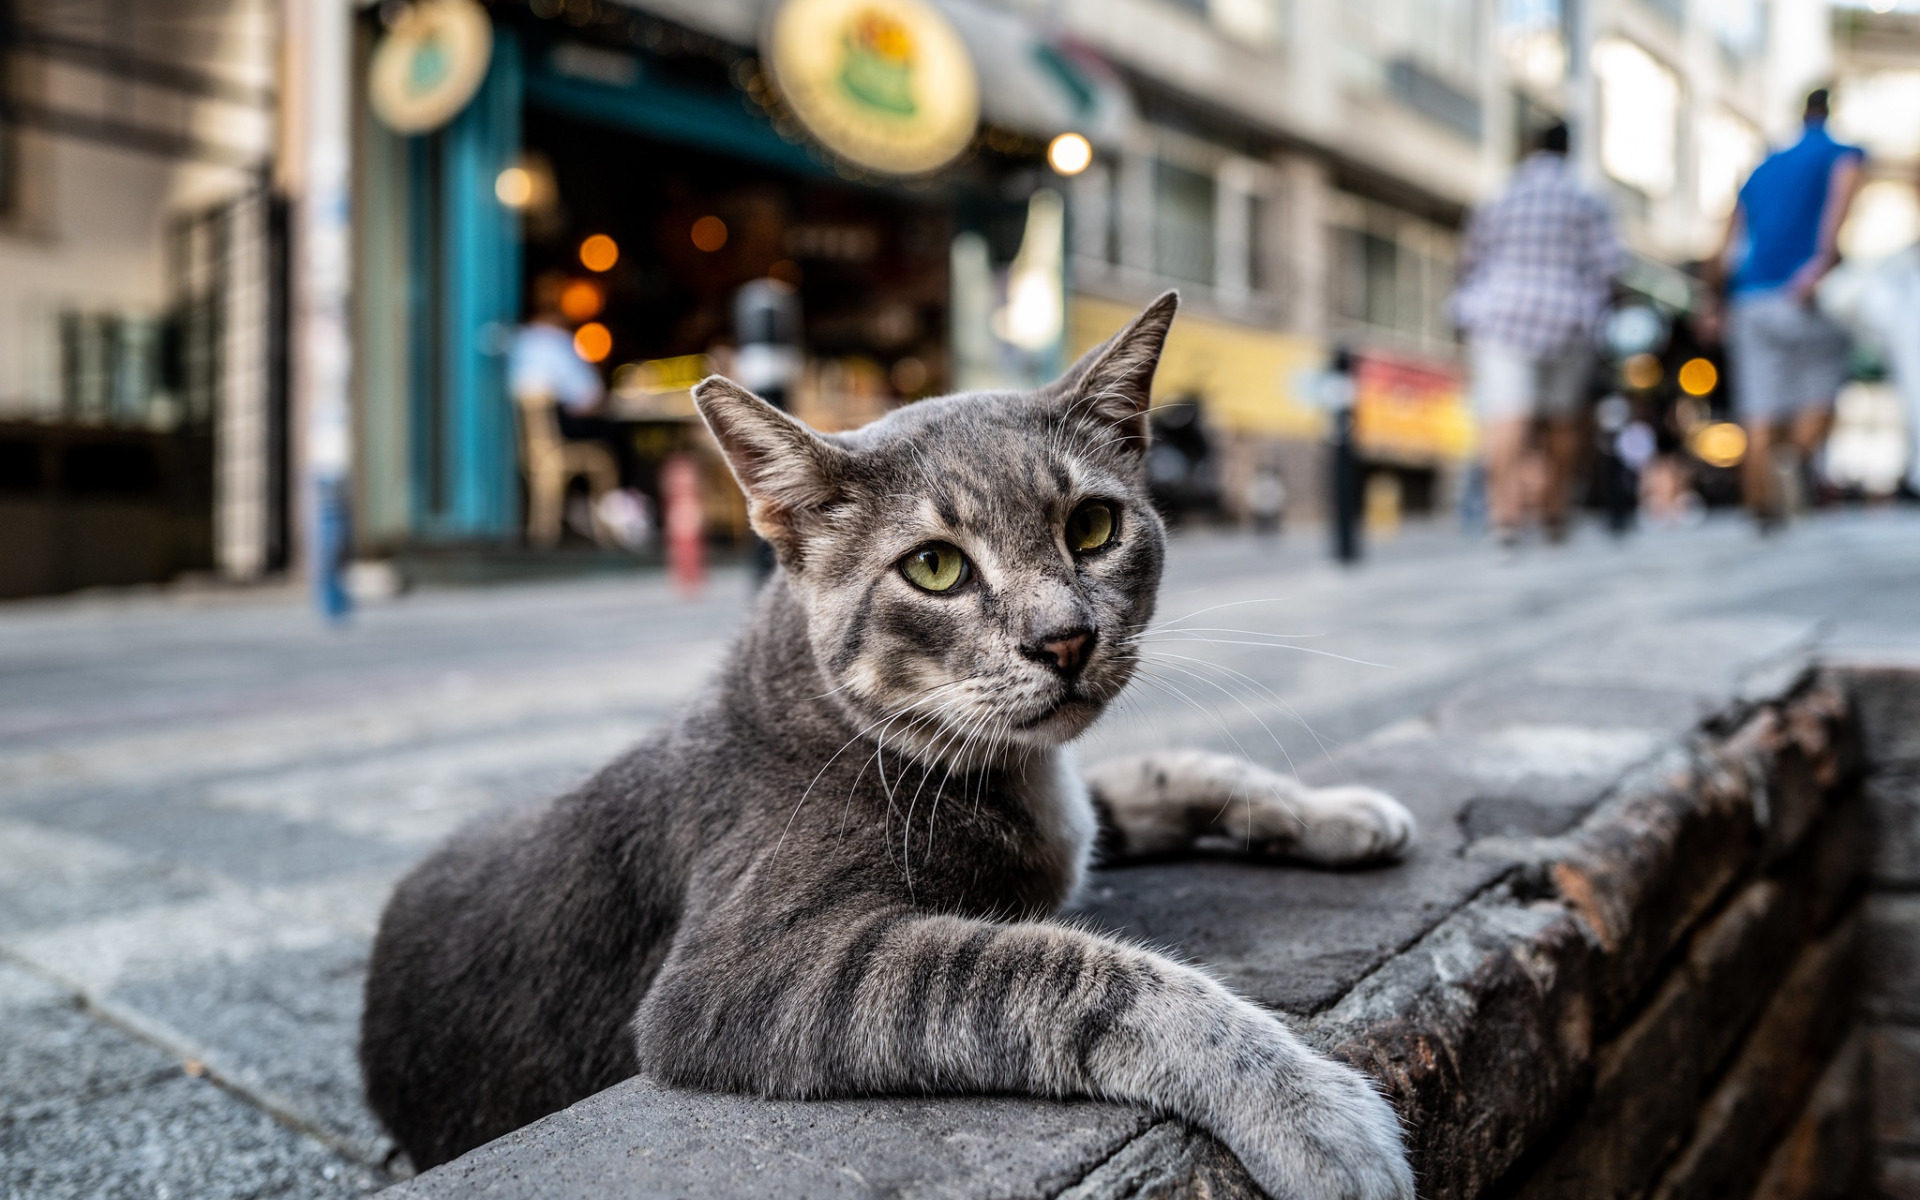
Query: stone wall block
(1481, 1034)
(1893, 804)
(1767, 1082)
(1895, 1053)
(1886, 702)
(1826, 1155)
(1643, 870)
(1898, 1177)
(1893, 961)
(1832, 869)
(1735, 963)
(1646, 1089)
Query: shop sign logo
(429, 65)
(885, 84)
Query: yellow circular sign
(887, 84)
(430, 64)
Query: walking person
(1789, 359)
(1535, 282)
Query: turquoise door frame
(466, 302)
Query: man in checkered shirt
(1535, 281)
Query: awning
(1039, 84)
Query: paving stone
(54, 877)
(88, 1111)
(1244, 921)
(640, 1141)
(1170, 1159)
(54, 1055)
(286, 1025)
(174, 1137)
(178, 824)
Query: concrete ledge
(1620, 962)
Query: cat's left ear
(786, 469)
(1113, 382)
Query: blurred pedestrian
(1535, 281)
(1789, 359)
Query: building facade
(140, 337)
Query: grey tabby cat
(834, 874)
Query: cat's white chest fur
(1048, 784)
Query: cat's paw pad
(1347, 825)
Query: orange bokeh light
(599, 253)
(709, 234)
(1698, 377)
(582, 300)
(593, 342)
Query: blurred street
(207, 797)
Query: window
(1639, 116)
(1391, 277)
(1729, 148)
(1183, 223)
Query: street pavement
(205, 798)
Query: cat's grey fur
(834, 874)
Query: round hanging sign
(886, 84)
(430, 64)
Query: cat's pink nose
(1069, 650)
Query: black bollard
(1345, 466)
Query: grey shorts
(1509, 383)
(1786, 356)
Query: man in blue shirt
(1788, 358)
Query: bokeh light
(1722, 444)
(1698, 377)
(582, 300)
(1070, 154)
(513, 187)
(709, 234)
(599, 253)
(593, 342)
(1642, 371)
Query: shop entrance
(649, 244)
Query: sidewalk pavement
(203, 802)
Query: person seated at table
(543, 362)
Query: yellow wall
(1245, 375)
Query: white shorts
(1509, 383)
(1786, 356)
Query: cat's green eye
(1089, 527)
(935, 567)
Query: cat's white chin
(1059, 723)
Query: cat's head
(975, 568)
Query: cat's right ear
(785, 468)
(1113, 382)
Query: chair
(551, 461)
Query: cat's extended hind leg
(1164, 802)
